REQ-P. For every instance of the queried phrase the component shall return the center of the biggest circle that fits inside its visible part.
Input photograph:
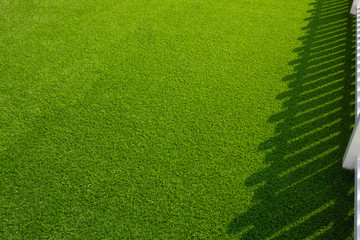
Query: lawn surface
(177, 119)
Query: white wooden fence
(352, 155)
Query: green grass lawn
(176, 119)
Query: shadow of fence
(304, 192)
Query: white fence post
(353, 148)
(355, 4)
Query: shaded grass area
(163, 119)
(304, 193)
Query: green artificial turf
(176, 119)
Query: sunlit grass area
(176, 119)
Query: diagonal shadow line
(304, 192)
